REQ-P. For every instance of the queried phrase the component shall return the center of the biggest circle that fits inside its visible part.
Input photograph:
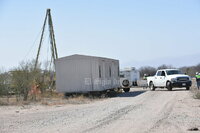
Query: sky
(136, 32)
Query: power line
(34, 42)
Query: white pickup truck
(169, 78)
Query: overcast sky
(137, 32)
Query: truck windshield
(171, 72)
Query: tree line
(189, 70)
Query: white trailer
(81, 73)
(131, 74)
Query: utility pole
(54, 54)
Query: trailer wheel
(126, 89)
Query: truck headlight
(174, 80)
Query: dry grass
(53, 98)
(12, 101)
(74, 99)
(47, 101)
(2, 103)
(50, 100)
(59, 99)
(197, 94)
(195, 91)
(52, 94)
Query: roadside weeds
(50, 99)
(195, 92)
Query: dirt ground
(139, 111)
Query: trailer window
(110, 71)
(118, 71)
(99, 71)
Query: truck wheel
(126, 89)
(169, 86)
(187, 88)
(152, 87)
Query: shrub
(197, 94)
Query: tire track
(166, 111)
(113, 117)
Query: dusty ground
(138, 111)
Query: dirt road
(138, 111)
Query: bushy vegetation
(19, 81)
(4, 83)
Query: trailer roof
(84, 56)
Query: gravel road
(138, 111)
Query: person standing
(198, 79)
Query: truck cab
(169, 78)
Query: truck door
(162, 79)
(157, 78)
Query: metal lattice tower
(54, 54)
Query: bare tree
(191, 70)
(150, 71)
(164, 66)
